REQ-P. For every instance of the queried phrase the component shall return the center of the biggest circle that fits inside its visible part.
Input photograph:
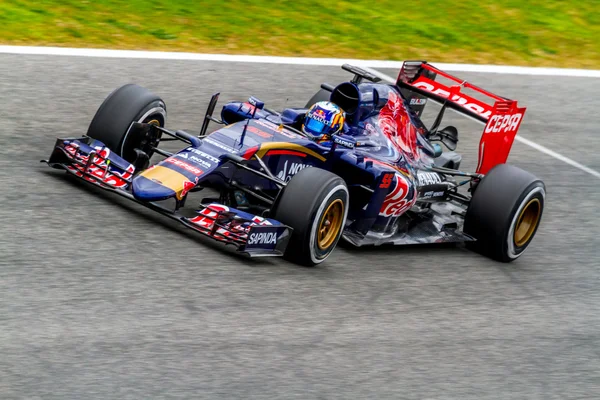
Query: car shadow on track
(456, 252)
(405, 249)
(227, 251)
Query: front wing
(253, 236)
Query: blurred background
(103, 299)
(538, 33)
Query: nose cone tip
(146, 189)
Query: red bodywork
(395, 124)
(502, 118)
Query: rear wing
(502, 118)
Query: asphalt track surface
(100, 298)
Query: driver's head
(323, 119)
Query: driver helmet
(323, 119)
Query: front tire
(505, 212)
(127, 104)
(315, 204)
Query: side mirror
(448, 136)
(256, 102)
(208, 116)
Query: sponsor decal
(99, 169)
(320, 118)
(200, 161)
(206, 217)
(344, 142)
(396, 125)
(503, 123)
(259, 132)
(196, 160)
(417, 102)
(431, 193)
(263, 238)
(203, 154)
(257, 233)
(287, 173)
(187, 186)
(497, 139)
(278, 128)
(428, 178)
(468, 103)
(184, 165)
(267, 124)
(220, 145)
(400, 199)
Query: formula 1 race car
(280, 192)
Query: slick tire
(315, 204)
(505, 213)
(321, 95)
(127, 104)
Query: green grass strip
(537, 33)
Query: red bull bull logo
(320, 116)
(187, 186)
(396, 125)
(99, 167)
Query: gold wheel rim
(527, 222)
(330, 224)
(154, 122)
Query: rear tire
(127, 104)
(505, 212)
(315, 204)
(321, 95)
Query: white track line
(518, 138)
(381, 64)
(367, 64)
(554, 154)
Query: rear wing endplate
(502, 117)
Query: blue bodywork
(369, 150)
(382, 155)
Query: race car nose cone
(145, 189)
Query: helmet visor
(315, 127)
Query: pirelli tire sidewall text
(497, 206)
(302, 205)
(127, 104)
